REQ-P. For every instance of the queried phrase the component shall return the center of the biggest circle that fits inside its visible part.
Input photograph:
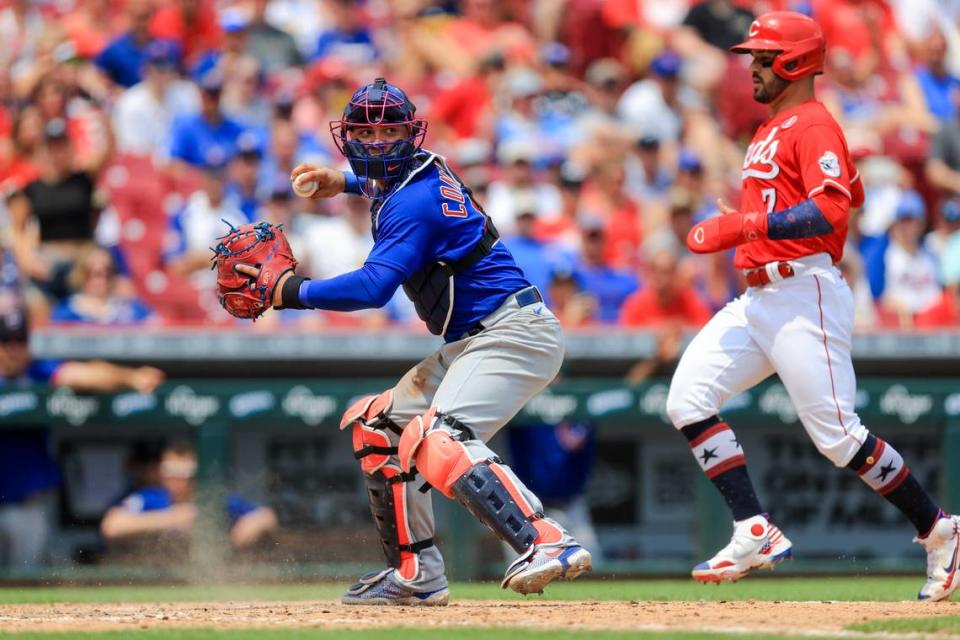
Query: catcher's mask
(378, 105)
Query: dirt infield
(747, 616)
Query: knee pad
(371, 444)
(385, 489)
(434, 453)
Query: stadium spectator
(53, 217)
(647, 177)
(569, 302)
(123, 58)
(535, 258)
(273, 48)
(719, 23)
(518, 181)
(197, 137)
(911, 275)
(557, 460)
(191, 23)
(654, 106)
(29, 476)
(609, 286)
(605, 196)
(235, 24)
(712, 275)
(564, 229)
(166, 515)
(243, 175)
(143, 115)
(205, 217)
(97, 298)
(465, 110)
(19, 165)
(940, 87)
(337, 244)
(349, 36)
(665, 298)
(864, 308)
(943, 161)
(482, 29)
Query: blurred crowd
(594, 132)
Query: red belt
(759, 277)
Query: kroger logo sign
(313, 409)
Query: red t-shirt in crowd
(643, 309)
(203, 35)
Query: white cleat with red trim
(756, 544)
(943, 554)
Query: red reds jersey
(798, 154)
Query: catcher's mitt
(262, 246)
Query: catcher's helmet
(378, 104)
(797, 37)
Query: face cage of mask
(386, 162)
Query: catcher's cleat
(380, 588)
(756, 544)
(543, 563)
(943, 548)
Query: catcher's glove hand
(262, 249)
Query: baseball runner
(795, 319)
(502, 347)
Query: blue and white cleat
(542, 564)
(756, 544)
(382, 588)
(943, 554)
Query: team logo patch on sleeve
(830, 164)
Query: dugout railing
(652, 507)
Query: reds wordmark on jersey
(794, 156)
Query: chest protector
(431, 289)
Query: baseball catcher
(427, 435)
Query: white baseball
(304, 188)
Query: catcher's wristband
(290, 293)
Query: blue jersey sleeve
(148, 499)
(43, 370)
(369, 287)
(237, 507)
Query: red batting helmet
(797, 37)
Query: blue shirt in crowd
(159, 499)
(198, 141)
(610, 287)
(26, 465)
(554, 461)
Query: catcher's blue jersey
(430, 218)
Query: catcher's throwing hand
(330, 182)
(252, 262)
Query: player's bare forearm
(98, 375)
(252, 527)
(121, 523)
